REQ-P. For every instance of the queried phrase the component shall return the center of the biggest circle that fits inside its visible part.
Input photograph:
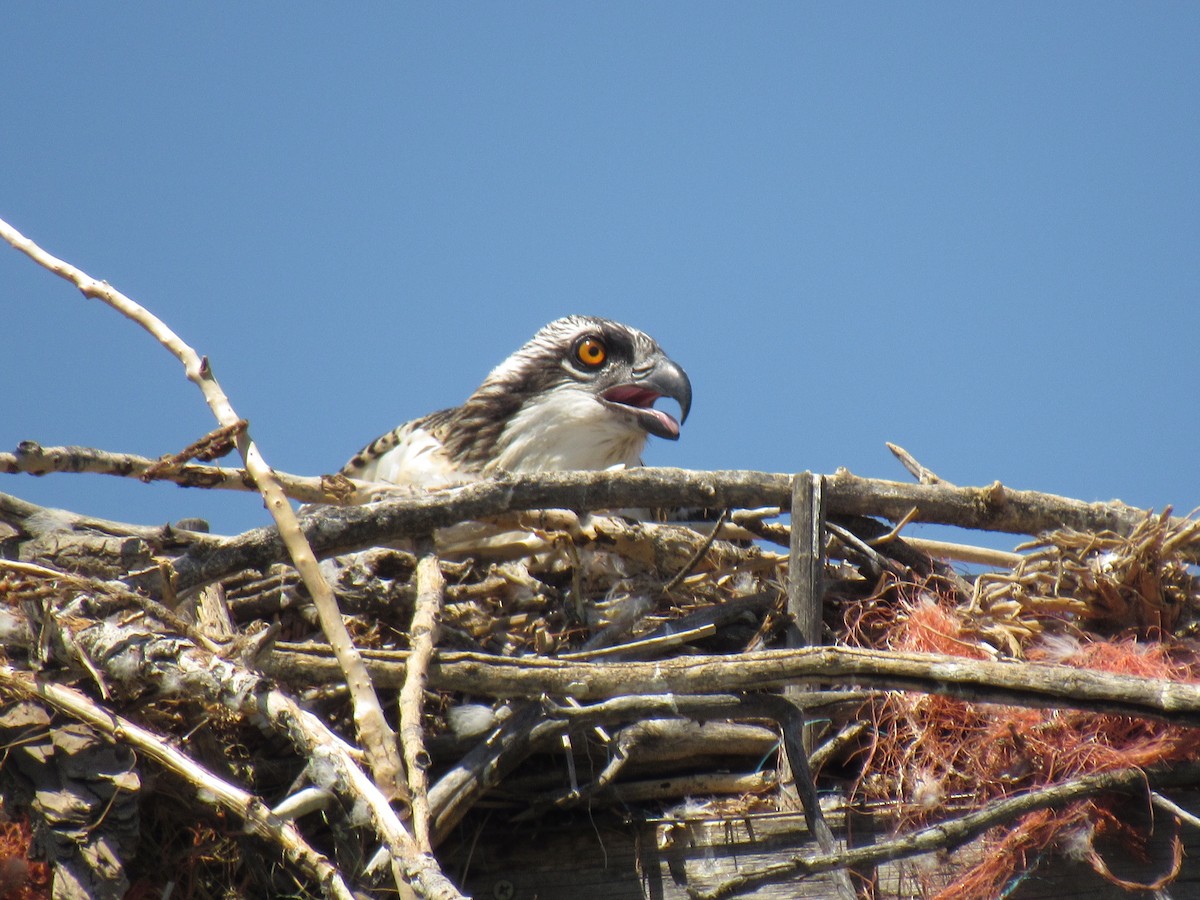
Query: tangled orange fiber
(931, 752)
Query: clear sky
(970, 229)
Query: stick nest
(584, 588)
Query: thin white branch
(423, 634)
(376, 735)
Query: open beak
(664, 379)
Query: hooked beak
(664, 379)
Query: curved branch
(377, 738)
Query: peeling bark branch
(341, 530)
(133, 656)
(1016, 684)
(211, 790)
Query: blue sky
(972, 230)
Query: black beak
(663, 379)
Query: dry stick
(652, 741)
(33, 459)
(1039, 685)
(791, 725)
(673, 788)
(993, 508)
(701, 552)
(1174, 809)
(702, 707)
(42, 521)
(217, 443)
(210, 789)
(376, 735)
(918, 471)
(955, 832)
(643, 646)
(343, 529)
(423, 634)
(485, 765)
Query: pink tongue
(668, 423)
(642, 399)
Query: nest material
(601, 587)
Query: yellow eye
(591, 352)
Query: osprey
(579, 395)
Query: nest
(522, 631)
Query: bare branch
(423, 635)
(341, 530)
(377, 736)
(33, 459)
(1016, 684)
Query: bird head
(579, 395)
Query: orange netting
(931, 752)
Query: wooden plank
(600, 858)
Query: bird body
(579, 395)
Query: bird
(579, 395)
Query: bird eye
(591, 352)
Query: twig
(654, 741)
(217, 443)
(423, 636)
(984, 556)
(701, 707)
(791, 725)
(376, 735)
(43, 521)
(896, 529)
(849, 734)
(210, 789)
(679, 786)
(700, 553)
(642, 645)
(918, 471)
(854, 547)
(1174, 809)
(752, 520)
